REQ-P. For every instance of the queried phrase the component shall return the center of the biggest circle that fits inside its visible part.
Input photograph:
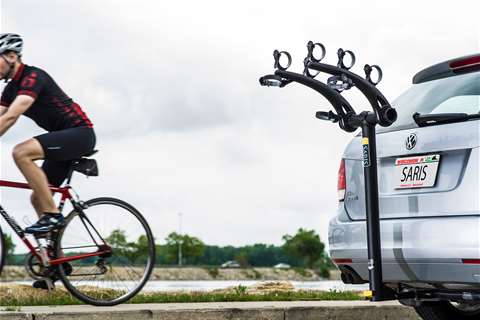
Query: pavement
(295, 310)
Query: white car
(429, 196)
(230, 264)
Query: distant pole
(180, 240)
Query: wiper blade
(423, 120)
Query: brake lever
(328, 116)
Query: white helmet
(11, 42)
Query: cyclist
(32, 92)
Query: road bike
(103, 255)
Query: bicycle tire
(72, 288)
(3, 251)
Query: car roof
(449, 68)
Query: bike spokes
(117, 250)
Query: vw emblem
(411, 141)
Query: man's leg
(36, 204)
(56, 172)
(24, 155)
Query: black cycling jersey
(52, 109)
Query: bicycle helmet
(11, 42)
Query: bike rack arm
(339, 103)
(385, 113)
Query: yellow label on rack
(365, 141)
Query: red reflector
(342, 261)
(471, 261)
(465, 63)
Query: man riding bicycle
(32, 92)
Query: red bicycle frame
(66, 195)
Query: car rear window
(454, 94)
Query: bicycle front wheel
(113, 252)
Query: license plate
(416, 172)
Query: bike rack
(341, 78)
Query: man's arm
(3, 110)
(16, 109)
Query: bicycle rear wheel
(118, 231)
(3, 250)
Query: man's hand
(16, 109)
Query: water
(208, 285)
(221, 284)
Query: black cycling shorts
(63, 146)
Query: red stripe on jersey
(17, 75)
(79, 111)
(27, 93)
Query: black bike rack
(341, 78)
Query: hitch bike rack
(341, 79)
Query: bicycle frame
(65, 195)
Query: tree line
(303, 249)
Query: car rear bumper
(437, 250)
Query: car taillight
(342, 181)
(471, 261)
(467, 63)
(342, 261)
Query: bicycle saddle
(86, 166)
(90, 154)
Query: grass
(240, 289)
(251, 274)
(302, 272)
(14, 296)
(12, 308)
(257, 275)
(213, 272)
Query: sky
(183, 125)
